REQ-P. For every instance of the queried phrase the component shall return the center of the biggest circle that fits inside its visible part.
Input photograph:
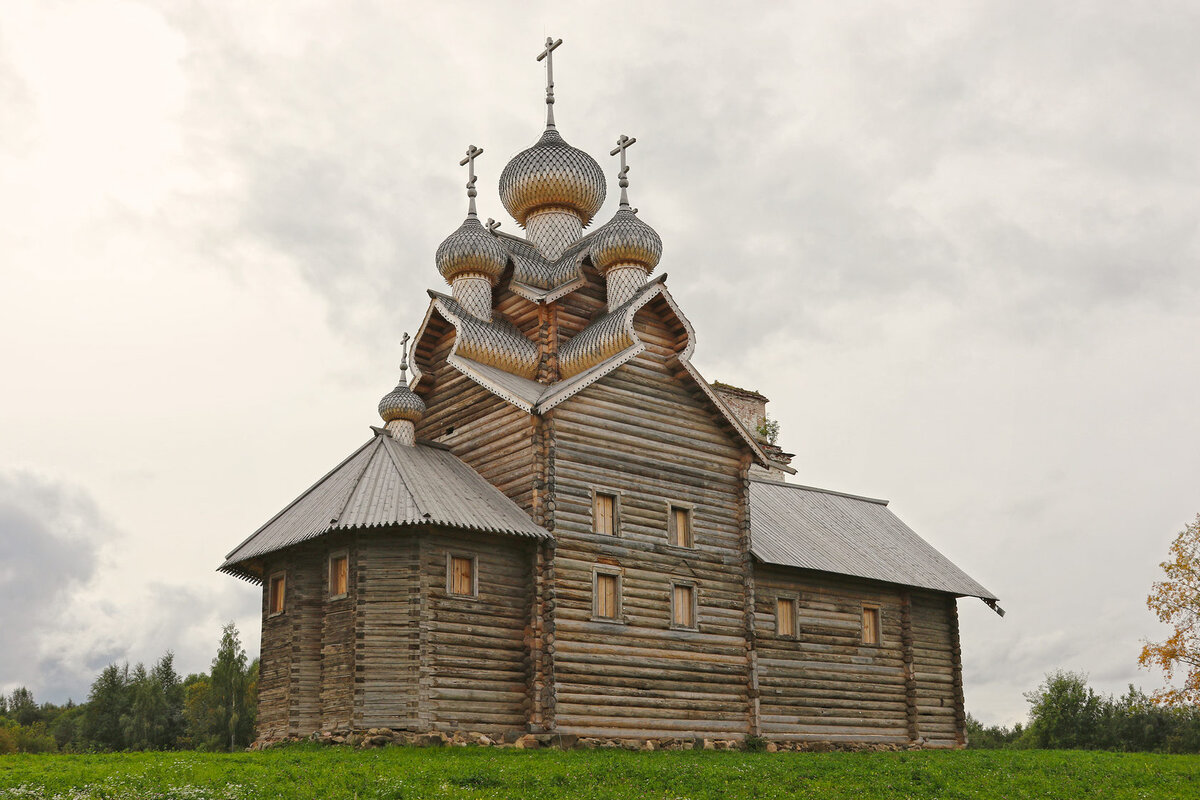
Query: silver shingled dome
(471, 248)
(401, 403)
(552, 173)
(625, 239)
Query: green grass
(311, 771)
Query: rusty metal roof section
(799, 526)
(385, 483)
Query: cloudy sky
(957, 246)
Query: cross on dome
(404, 358)
(623, 144)
(473, 152)
(548, 55)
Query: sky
(955, 244)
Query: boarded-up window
(604, 513)
(785, 617)
(606, 596)
(275, 595)
(339, 575)
(679, 527)
(683, 606)
(462, 575)
(870, 625)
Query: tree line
(143, 709)
(1067, 714)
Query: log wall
(476, 648)
(641, 433)
(826, 685)
(489, 434)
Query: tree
(108, 702)
(1064, 713)
(1176, 601)
(22, 708)
(230, 683)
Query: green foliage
(21, 707)
(768, 429)
(311, 771)
(1064, 713)
(220, 708)
(754, 744)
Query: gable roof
(799, 526)
(604, 345)
(387, 483)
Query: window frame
(618, 600)
(281, 575)
(615, 494)
(334, 556)
(794, 602)
(474, 559)
(689, 511)
(876, 610)
(695, 610)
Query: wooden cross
(623, 144)
(404, 357)
(492, 225)
(473, 153)
(548, 55)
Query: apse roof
(388, 483)
(799, 526)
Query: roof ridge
(357, 480)
(822, 491)
(404, 480)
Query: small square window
(460, 578)
(607, 599)
(275, 594)
(679, 527)
(785, 616)
(339, 575)
(604, 513)
(870, 625)
(683, 605)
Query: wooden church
(563, 528)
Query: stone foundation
(381, 737)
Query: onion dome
(471, 249)
(552, 173)
(625, 239)
(401, 403)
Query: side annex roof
(799, 526)
(386, 483)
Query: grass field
(399, 772)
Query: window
(460, 576)
(606, 595)
(683, 605)
(339, 575)
(679, 526)
(870, 625)
(785, 616)
(275, 594)
(604, 513)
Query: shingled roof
(799, 526)
(387, 483)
